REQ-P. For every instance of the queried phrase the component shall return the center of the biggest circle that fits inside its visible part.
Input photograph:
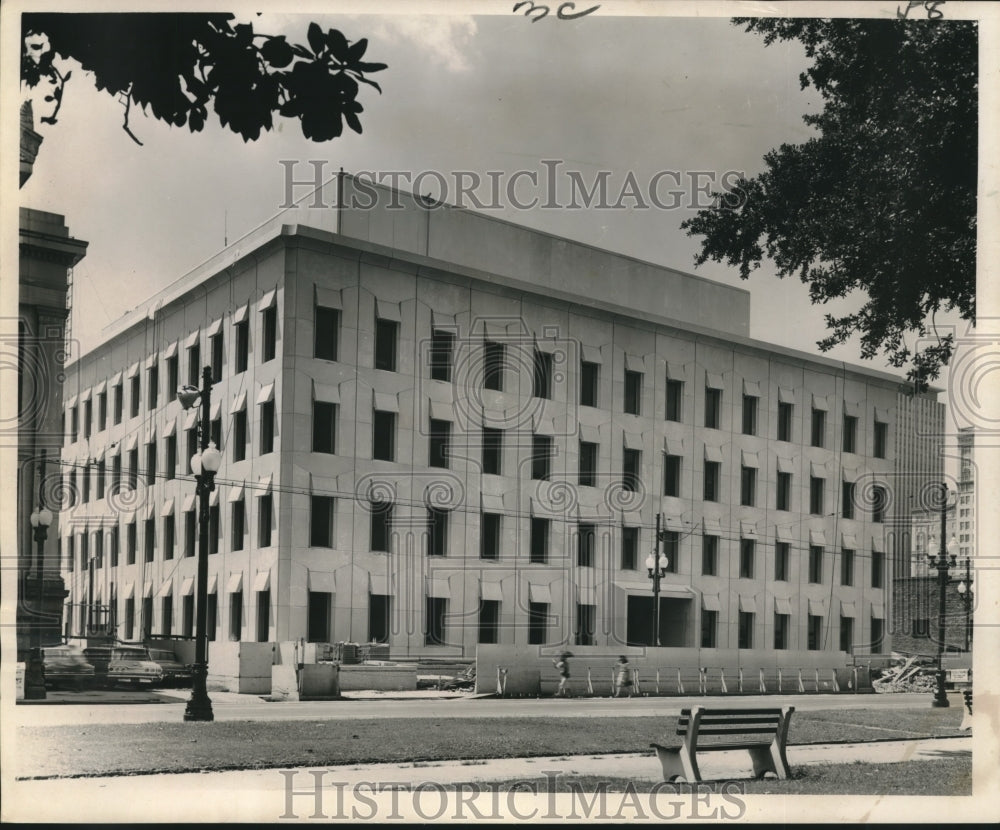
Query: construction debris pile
(907, 676)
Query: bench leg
(677, 762)
(770, 758)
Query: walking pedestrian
(562, 665)
(623, 678)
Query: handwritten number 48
(564, 12)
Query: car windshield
(130, 654)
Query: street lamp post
(656, 565)
(34, 670)
(942, 563)
(204, 464)
(965, 592)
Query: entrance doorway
(675, 624)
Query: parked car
(67, 665)
(175, 673)
(132, 665)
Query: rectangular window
(263, 616)
(437, 532)
(542, 376)
(167, 616)
(846, 566)
(136, 396)
(101, 475)
(194, 366)
(671, 549)
(586, 540)
(238, 514)
(539, 543)
(70, 554)
(385, 344)
(878, 568)
(214, 528)
(187, 613)
(541, 457)
(242, 346)
(713, 473)
(782, 554)
(169, 540)
(102, 411)
(438, 452)
(171, 461)
(489, 621)
(172, 376)
(151, 463)
(129, 618)
(538, 617)
(190, 532)
(489, 538)
(818, 430)
(74, 424)
(750, 414)
(781, 628)
(675, 396)
(783, 491)
(327, 325)
(442, 348)
(321, 522)
(215, 432)
(269, 344)
(745, 629)
(709, 627)
(815, 564)
(814, 632)
(384, 435)
(119, 397)
(877, 636)
(713, 408)
(149, 549)
(748, 486)
(88, 417)
(212, 615)
(709, 555)
(381, 525)
(589, 376)
(437, 608)
(585, 624)
(133, 469)
(236, 616)
(630, 548)
(192, 447)
(240, 434)
(493, 360)
(815, 496)
(881, 439)
(85, 476)
(379, 618)
(492, 450)
(266, 427)
(324, 427)
(850, 433)
(672, 475)
(847, 506)
(633, 392)
(153, 391)
(748, 550)
(265, 506)
(588, 464)
(879, 501)
(631, 469)
(847, 634)
(215, 343)
(115, 545)
(319, 604)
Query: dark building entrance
(674, 622)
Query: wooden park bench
(769, 728)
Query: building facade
(440, 429)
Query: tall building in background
(966, 529)
(440, 429)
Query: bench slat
(719, 712)
(739, 730)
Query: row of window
(321, 534)
(437, 617)
(269, 321)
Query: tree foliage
(883, 199)
(176, 66)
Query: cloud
(444, 39)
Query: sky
(633, 96)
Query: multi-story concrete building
(440, 429)
(966, 528)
